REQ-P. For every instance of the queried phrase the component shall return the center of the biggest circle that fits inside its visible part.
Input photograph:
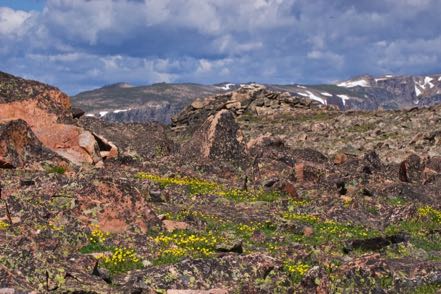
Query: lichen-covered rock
(146, 141)
(50, 99)
(217, 139)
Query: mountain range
(123, 102)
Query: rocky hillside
(249, 191)
(126, 103)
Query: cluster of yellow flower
(301, 217)
(184, 244)
(196, 186)
(330, 227)
(120, 260)
(199, 187)
(296, 203)
(246, 229)
(297, 270)
(272, 247)
(3, 225)
(428, 211)
(97, 236)
(54, 227)
(249, 195)
(175, 251)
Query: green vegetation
(423, 229)
(396, 201)
(427, 289)
(54, 169)
(430, 213)
(114, 259)
(361, 128)
(96, 241)
(203, 187)
(172, 247)
(328, 230)
(121, 260)
(296, 270)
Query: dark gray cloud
(78, 44)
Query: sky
(78, 45)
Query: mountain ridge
(159, 102)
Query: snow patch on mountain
(354, 83)
(343, 98)
(384, 78)
(428, 81)
(326, 94)
(227, 87)
(316, 98)
(121, 110)
(417, 91)
(312, 96)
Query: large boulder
(48, 113)
(48, 98)
(219, 138)
(19, 145)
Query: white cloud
(12, 21)
(79, 44)
(327, 56)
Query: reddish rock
(118, 206)
(340, 158)
(172, 226)
(87, 141)
(299, 170)
(19, 145)
(307, 172)
(47, 111)
(308, 231)
(289, 189)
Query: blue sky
(27, 5)
(79, 44)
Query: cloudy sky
(84, 44)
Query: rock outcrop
(218, 138)
(19, 146)
(48, 113)
(251, 99)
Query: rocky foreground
(251, 191)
